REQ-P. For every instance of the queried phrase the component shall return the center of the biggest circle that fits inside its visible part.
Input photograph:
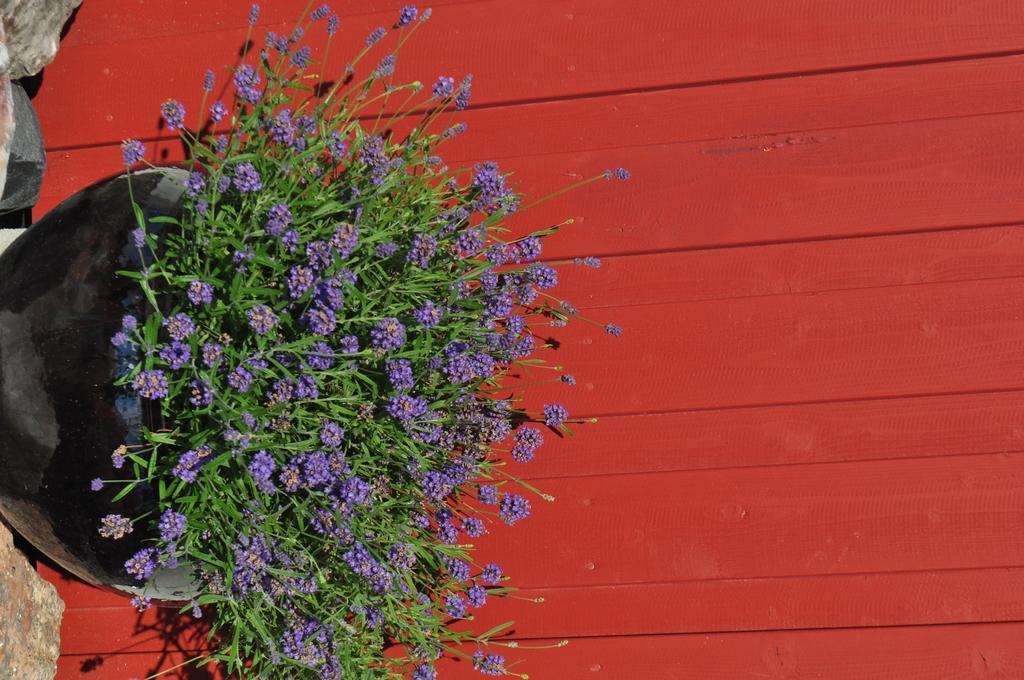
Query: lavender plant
(329, 323)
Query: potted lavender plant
(320, 328)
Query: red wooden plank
(844, 518)
(809, 267)
(942, 90)
(108, 22)
(964, 652)
(537, 49)
(854, 181)
(130, 665)
(939, 653)
(844, 345)
(982, 595)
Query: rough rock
(33, 32)
(6, 110)
(27, 160)
(30, 612)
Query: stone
(30, 612)
(6, 111)
(33, 32)
(27, 156)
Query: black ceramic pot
(60, 414)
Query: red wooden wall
(810, 460)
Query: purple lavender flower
(612, 329)
(282, 129)
(142, 564)
(247, 81)
(262, 470)
(454, 131)
(254, 14)
(423, 249)
(138, 237)
(474, 526)
(462, 98)
(320, 12)
(407, 15)
(119, 338)
(173, 113)
(200, 292)
(319, 320)
(281, 391)
(202, 205)
(141, 604)
(385, 250)
(492, 194)
(321, 356)
(527, 441)
(319, 254)
(300, 279)
(405, 408)
(96, 484)
(345, 239)
(443, 88)
(176, 354)
(388, 334)
(240, 379)
(300, 58)
(218, 111)
(488, 494)
(459, 569)
(129, 322)
(455, 606)
(179, 326)
(488, 664)
(306, 388)
(513, 508)
(543, 276)
(492, 574)
(290, 240)
(212, 353)
(529, 249)
(150, 384)
(568, 379)
(220, 145)
(401, 556)
(332, 25)
(331, 434)
(375, 36)
(278, 218)
(386, 67)
(423, 672)
(172, 525)
(555, 414)
(261, 319)
(349, 344)
(208, 81)
(477, 596)
(399, 372)
(622, 174)
(115, 526)
(132, 151)
(429, 314)
(247, 178)
(447, 532)
(202, 393)
(187, 467)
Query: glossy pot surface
(60, 414)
